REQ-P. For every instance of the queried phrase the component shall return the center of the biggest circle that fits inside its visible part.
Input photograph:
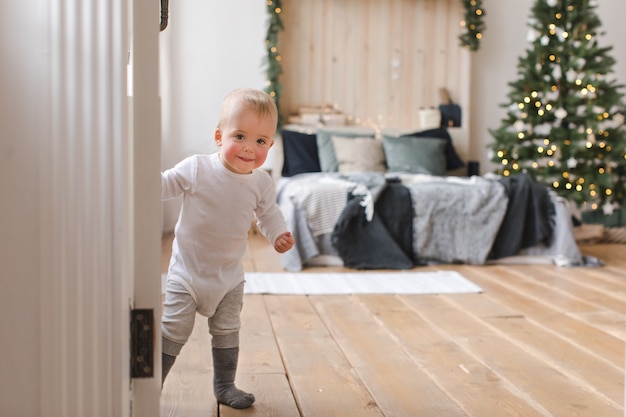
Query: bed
(371, 199)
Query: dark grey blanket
(383, 242)
(529, 218)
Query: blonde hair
(257, 100)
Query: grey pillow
(325, 148)
(415, 155)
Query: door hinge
(142, 343)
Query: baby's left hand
(284, 242)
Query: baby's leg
(224, 327)
(179, 313)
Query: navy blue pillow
(299, 152)
(453, 161)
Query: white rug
(439, 282)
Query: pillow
(299, 153)
(453, 161)
(326, 150)
(359, 154)
(416, 155)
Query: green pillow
(325, 148)
(415, 155)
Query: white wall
(494, 65)
(208, 49)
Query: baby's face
(245, 139)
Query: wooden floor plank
(261, 369)
(607, 276)
(569, 359)
(467, 382)
(188, 389)
(259, 353)
(324, 382)
(558, 279)
(399, 386)
(597, 308)
(273, 397)
(594, 285)
(502, 284)
(546, 387)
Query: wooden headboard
(378, 61)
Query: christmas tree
(565, 117)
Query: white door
(146, 133)
(80, 211)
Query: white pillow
(359, 154)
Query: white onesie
(212, 229)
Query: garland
(473, 24)
(272, 59)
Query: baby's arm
(284, 242)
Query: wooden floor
(539, 341)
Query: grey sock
(224, 371)
(166, 364)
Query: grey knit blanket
(456, 219)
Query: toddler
(222, 193)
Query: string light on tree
(565, 115)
